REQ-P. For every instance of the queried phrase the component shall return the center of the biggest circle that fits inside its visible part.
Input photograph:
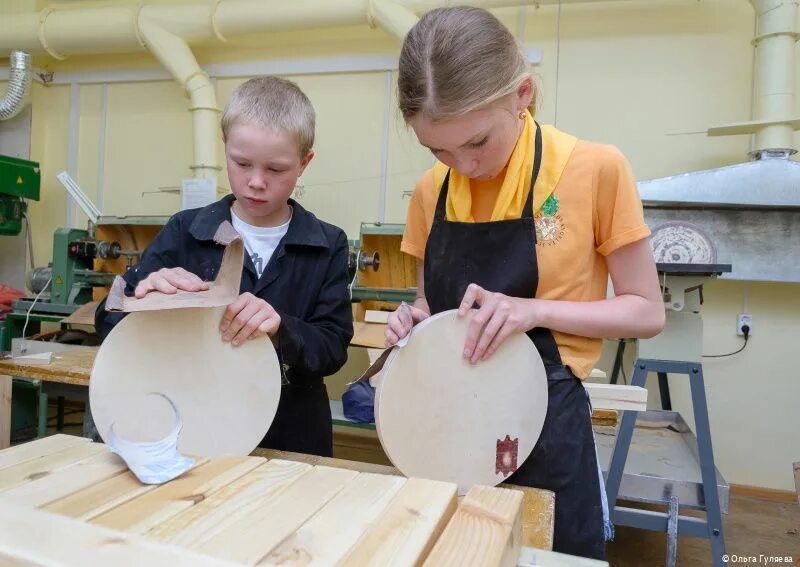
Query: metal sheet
(766, 183)
(761, 244)
(662, 462)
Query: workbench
(68, 375)
(69, 501)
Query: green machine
(19, 180)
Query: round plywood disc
(226, 396)
(440, 417)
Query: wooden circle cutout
(442, 418)
(227, 396)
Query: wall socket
(744, 319)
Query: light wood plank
(328, 536)
(486, 531)
(70, 367)
(38, 448)
(373, 316)
(404, 534)
(143, 513)
(537, 520)
(538, 514)
(370, 335)
(68, 480)
(101, 497)
(228, 505)
(617, 396)
(46, 465)
(279, 515)
(540, 558)
(30, 536)
(5, 411)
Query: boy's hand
(169, 280)
(248, 317)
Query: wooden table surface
(538, 509)
(68, 367)
(268, 508)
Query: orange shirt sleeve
(618, 213)
(420, 217)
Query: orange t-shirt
(598, 212)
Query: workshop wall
(650, 77)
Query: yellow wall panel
(49, 146)
(148, 148)
(341, 185)
(650, 78)
(89, 136)
(407, 161)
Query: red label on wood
(507, 450)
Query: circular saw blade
(680, 242)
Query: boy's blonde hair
(273, 103)
(455, 60)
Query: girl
(525, 223)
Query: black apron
(302, 423)
(500, 257)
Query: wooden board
(797, 480)
(329, 535)
(373, 316)
(40, 467)
(33, 537)
(102, 497)
(538, 509)
(244, 510)
(218, 511)
(143, 513)
(544, 558)
(538, 516)
(69, 367)
(69, 480)
(5, 411)
(440, 417)
(486, 531)
(227, 396)
(42, 447)
(407, 530)
(372, 335)
(617, 396)
(278, 516)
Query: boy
(294, 285)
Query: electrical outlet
(744, 319)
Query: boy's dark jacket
(305, 281)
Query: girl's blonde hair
(455, 60)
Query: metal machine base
(704, 496)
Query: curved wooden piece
(440, 417)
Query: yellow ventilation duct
(167, 30)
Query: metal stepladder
(677, 351)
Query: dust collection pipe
(19, 83)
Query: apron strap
(527, 211)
